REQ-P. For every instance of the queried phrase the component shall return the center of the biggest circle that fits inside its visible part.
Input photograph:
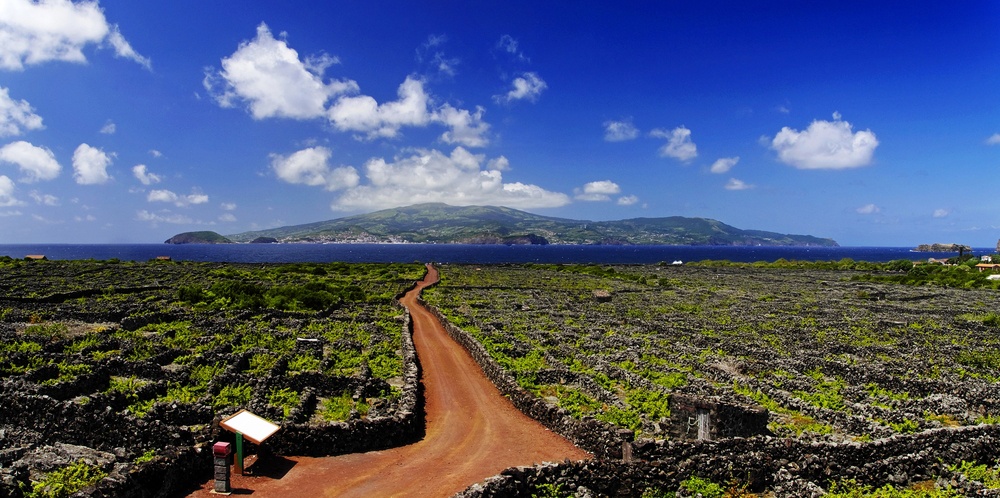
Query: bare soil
(472, 433)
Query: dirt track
(472, 433)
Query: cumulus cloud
(144, 176)
(498, 163)
(268, 76)
(109, 128)
(16, 116)
(627, 200)
(155, 153)
(941, 213)
(529, 86)
(227, 217)
(994, 139)
(433, 176)
(467, 128)
(869, 209)
(228, 206)
(599, 191)
(734, 184)
(44, 199)
(7, 188)
(36, 163)
(90, 165)
(176, 199)
(364, 114)
(724, 164)
(825, 145)
(311, 166)
(620, 131)
(679, 145)
(56, 30)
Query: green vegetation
(61, 483)
(852, 489)
(215, 327)
(698, 486)
(987, 475)
(809, 341)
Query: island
(437, 223)
(204, 237)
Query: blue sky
(874, 123)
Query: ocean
(460, 253)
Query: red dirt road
(473, 432)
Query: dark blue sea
(459, 253)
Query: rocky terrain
(834, 361)
(115, 375)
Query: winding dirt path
(473, 432)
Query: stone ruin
(709, 418)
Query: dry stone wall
(786, 467)
(599, 438)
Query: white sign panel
(253, 428)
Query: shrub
(64, 482)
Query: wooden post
(239, 453)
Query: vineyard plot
(135, 361)
(832, 357)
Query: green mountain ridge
(442, 223)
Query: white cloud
(227, 217)
(509, 45)
(432, 176)
(124, 50)
(311, 166)
(724, 164)
(90, 165)
(499, 164)
(163, 217)
(36, 163)
(82, 219)
(45, 199)
(35, 32)
(869, 209)
(109, 128)
(229, 206)
(144, 176)
(467, 128)
(177, 200)
(529, 86)
(16, 117)
(620, 131)
(155, 153)
(734, 184)
(269, 77)
(436, 58)
(941, 213)
(627, 200)
(363, 113)
(994, 139)
(7, 188)
(599, 191)
(679, 145)
(825, 145)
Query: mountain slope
(441, 223)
